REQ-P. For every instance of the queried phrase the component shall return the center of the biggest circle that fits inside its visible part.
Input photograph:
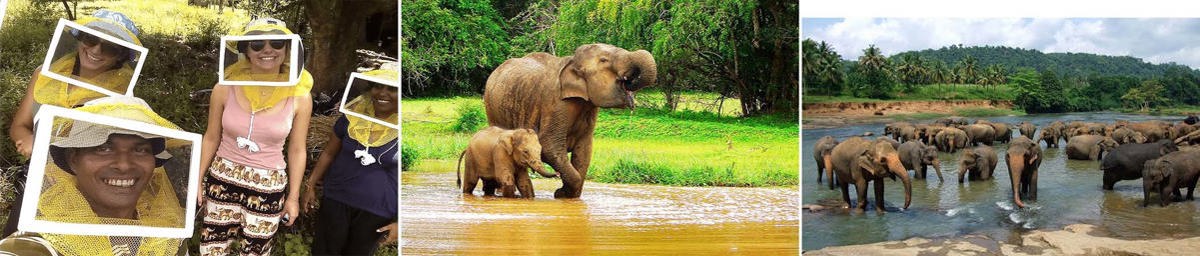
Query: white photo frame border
(3, 8)
(293, 55)
(58, 32)
(37, 169)
(346, 94)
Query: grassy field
(685, 147)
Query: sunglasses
(89, 40)
(275, 44)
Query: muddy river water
(1069, 191)
(607, 219)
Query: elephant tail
(458, 169)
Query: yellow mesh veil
(157, 206)
(364, 131)
(58, 93)
(240, 71)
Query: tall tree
(338, 29)
(873, 73)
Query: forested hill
(1069, 64)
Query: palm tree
(967, 67)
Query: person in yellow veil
(357, 173)
(100, 174)
(94, 60)
(247, 176)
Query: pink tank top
(270, 132)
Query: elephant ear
(571, 80)
(506, 142)
(865, 162)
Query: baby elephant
(1166, 175)
(500, 157)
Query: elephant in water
(859, 161)
(821, 152)
(1167, 174)
(1023, 158)
(559, 98)
(918, 157)
(979, 161)
(1089, 147)
(500, 158)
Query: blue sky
(1155, 40)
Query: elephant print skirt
(241, 202)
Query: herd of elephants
(1165, 155)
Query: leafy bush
(408, 156)
(470, 117)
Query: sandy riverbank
(1077, 239)
(837, 114)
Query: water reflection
(609, 218)
(1069, 192)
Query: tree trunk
(67, 7)
(338, 29)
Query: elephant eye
(603, 59)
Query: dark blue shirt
(373, 187)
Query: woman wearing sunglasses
(243, 147)
(94, 61)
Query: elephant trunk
(899, 170)
(541, 169)
(938, 168)
(641, 71)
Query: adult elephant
(980, 133)
(980, 162)
(918, 157)
(821, 151)
(1027, 129)
(558, 97)
(950, 139)
(1089, 147)
(860, 161)
(1003, 133)
(1126, 136)
(1023, 158)
(1126, 162)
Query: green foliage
(960, 92)
(470, 117)
(408, 156)
(822, 68)
(872, 76)
(450, 47)
(1039, 93)
(1147, 95)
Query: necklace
(365, 157)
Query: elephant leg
(470, 178)
(1033, 184)
(820, 171)
(1110, 180)
(504, 175)
(561, 163)
(846, 193)
(860, 186)
(828, 162)
(524, 184)
(490, 186)
(878, 194)
(581, 157)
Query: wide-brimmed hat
(72, 134)
(114, 24)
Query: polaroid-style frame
(345, 96)
(37, 169)
(293, 59)
(58, 34)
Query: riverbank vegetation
(1036, 82)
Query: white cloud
(1157, 40)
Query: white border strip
(294, 55)
(3, 7)
(37, 169)
(58, 33)
(346, 95)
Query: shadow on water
(609, 218)
(1069, 192)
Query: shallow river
(1069, 191)
(607, 219)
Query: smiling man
(111, 166)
